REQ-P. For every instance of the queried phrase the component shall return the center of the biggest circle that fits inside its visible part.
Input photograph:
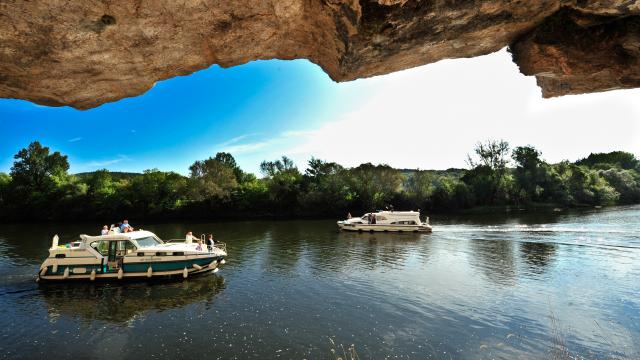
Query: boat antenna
(54, 241)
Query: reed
(559, 350)
(340, 353)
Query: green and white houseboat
(133, 255)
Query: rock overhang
(85, 54)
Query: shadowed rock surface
(85, 54)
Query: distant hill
(452, 172)
(115, 175)
(622, 159)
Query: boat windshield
(147, 241)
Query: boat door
(112, 259)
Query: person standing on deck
(189, 238)
(210, 242)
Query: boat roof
(120, 236)
(399, 213)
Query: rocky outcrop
(575, 53)
(84, 54)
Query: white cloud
(75, 139)
(103, 163)
(432, 116)
(234, 140)
(246, 148)
(234, 146)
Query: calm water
(478, 287)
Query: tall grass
(559, 350)
(340, 353)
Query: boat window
(60, 256)
(125, 247)
(161, 253)
(380, 217)
(147, 241)
(101, 246)
(178, 253)
(407, 222)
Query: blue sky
(428, 117)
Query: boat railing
(218, 244)
(173, 241)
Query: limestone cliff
(86, 53)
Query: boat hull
(385, 228)
(130, 271)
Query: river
(499, 286)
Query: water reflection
(496, 259)
(537, 256)
(478, 287)
(374, 251)
(122, 303)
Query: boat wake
(608, 238)
(533, 229)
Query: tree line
(39, 187)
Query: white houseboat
(397, 221)
(131, 255)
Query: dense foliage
(39, 186)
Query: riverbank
(39, 188)
(481, 211)
(533, 208)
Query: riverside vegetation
(39, 187)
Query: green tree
(100, 184)
(374, 185)
(5, 182)
(621, 159)
(527, 173)
(625, 182)
(324, 189)
(36, 170)
(157, 192)
(211, 179)
(228, 160)
(488, 169)
(283, 181)
(419, 188)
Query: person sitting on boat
(125, 227)
(105, 230)
(210, 242)
(199, 245)
(189, 238)
(115, 229)
(348, 215)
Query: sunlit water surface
(513, 286)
